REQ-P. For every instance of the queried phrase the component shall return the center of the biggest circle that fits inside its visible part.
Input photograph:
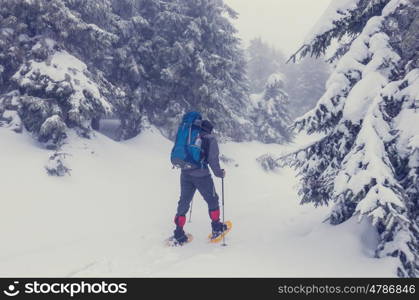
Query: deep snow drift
(110, 217)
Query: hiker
(200, 179)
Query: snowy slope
(110, 217)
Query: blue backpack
(186, 153)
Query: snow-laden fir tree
(271, 112)
(133, 60)
(304, 82)
(367, 161)
(201, 67)
(263, 61)
(42, 43)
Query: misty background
(284, 23)
(270, 32)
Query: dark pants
(188, 186)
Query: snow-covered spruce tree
(129, 59)
(110, 37)
(198, 65)
(54, 75)
(366, 164)
(263, 61)
(304, 82)
(53, 90)
(271, 113)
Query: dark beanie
(207, 126)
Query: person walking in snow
(200, 179)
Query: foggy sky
(282, 23)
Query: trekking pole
(190, 213)
(222, 195)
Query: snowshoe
(179, 238)
(172, 242)
(219, 231)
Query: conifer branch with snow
(366, 163)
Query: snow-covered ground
(110, 217)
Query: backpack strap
(189, 134)
(204, 148)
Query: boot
(217, 228)
(180, 236)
